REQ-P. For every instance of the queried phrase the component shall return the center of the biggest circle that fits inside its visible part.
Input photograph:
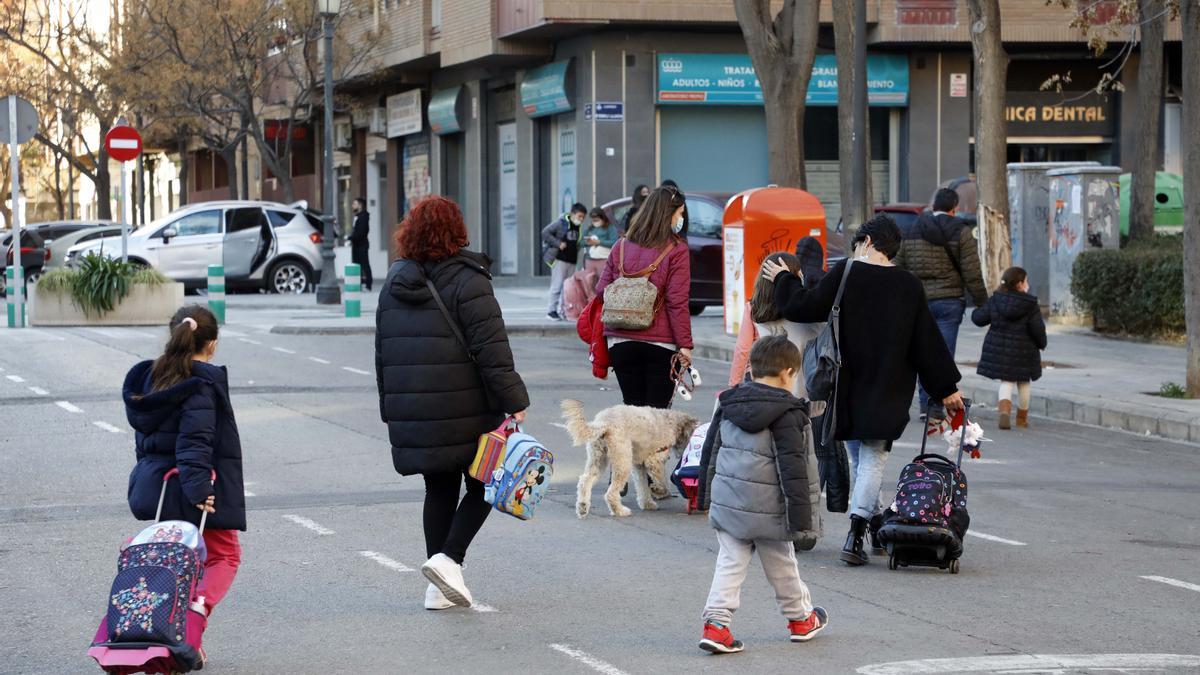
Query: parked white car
(266, 244)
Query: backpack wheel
(954, 566)
(893, 564)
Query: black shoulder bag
(823, 359)
(458, 335)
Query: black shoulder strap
(837, 300)
(458, 335)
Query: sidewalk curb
(519, 329)
(1139, 419)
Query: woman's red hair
(432, 230)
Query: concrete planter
(145, 305)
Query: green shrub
(58, 280)
(1136, 290)
(102, 282)
(1172, 390)
(148, 276)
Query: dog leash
(685, 376)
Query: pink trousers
(224, 558)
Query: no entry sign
(123, 143)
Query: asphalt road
(1086, 554)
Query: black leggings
(450, 525)
(644, 373)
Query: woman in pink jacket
(642, 358)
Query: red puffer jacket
(672, 324)
(591, 331)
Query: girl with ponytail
(180, 411)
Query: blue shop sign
(729, 79)
(544, 89)
(444, 111)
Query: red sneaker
(807, 629)
(718, 640)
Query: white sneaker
(435, 600)
(447, 576)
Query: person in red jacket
(642, 358)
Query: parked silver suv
(266, 244)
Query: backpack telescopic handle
(962, 441)
(162, 496)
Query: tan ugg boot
(1005, 408)
(1022, 419)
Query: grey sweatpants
(778, 560)
(559, 273)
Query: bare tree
(856, 199)
(1190, 16)
(782, 51)
(1152, 15)
(991, 136)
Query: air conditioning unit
(378, 124)
(343, 136)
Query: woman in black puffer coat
(1012, 348)
(437, 395)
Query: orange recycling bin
(757, 223)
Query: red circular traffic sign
(123, 143)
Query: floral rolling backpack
(521, 478)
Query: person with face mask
(652, 248)
(887, 338)
(560, 250)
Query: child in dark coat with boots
(1012, 347)
(760, 485)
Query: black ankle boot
(873, 526)
(853, 553)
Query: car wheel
(695, 308)
(289, 277)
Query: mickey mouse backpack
(521, 478)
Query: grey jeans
(867, 462)
(559, 273)
(778, 560)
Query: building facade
(518, 108)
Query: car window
(704, 218)
(245, 218)
(194, 224)
(280, 218)
(903, 219)
(619, 211)
(97, 235)
(317, 223)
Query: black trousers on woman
(643, 373)
(450, 525)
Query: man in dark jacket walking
(360, 246)
(941, 251)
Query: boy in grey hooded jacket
(761, 487)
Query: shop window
(210, 171)
(927, 12)
(821, 133)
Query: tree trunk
(1145, 154)
(856, 200)
(1190, 19)
(245, 168)
(229, 156)
(991, 136)
(184, 166)
(58, 189)
(782, 51)
(103, 180)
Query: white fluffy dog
(634, 439)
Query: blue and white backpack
(522, 478)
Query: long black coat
(189, 426)
(1012, 347)
(888, 337)
(435, 397)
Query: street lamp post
(328, 291)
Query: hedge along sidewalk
(1095, 380)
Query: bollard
(353, 291)
(216, 292)
(16, 306)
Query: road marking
(120, 334)
(588, 660)
(1034, 663)
(39, 391)
(68, 406)
(321, 361)
(308, 524)
(560, 425)
(247, 484)
(282, 350)
(249, 341)
(16, 378)
(987, 461)
(387, 562)
(108, 427)
(483, 609)
(232, 333)
(1173, 582)
(356, 371)
(992, 537)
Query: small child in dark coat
(1012, 347)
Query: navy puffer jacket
(1013, 344)
(189, 426)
